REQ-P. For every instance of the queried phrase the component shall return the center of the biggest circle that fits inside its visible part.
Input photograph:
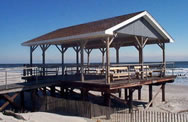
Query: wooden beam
(138, 42)
(118, 99)
(144, 43)
(10, 100)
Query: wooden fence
(144, 116)
(104, 114)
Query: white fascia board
(116, 27)
(69, 38)
(158, 27)
(149, 18)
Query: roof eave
(87, 36)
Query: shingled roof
(86, 28)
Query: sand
(176, 99)
(44, 117)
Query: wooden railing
(117, 71)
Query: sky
(22, 20)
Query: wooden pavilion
(136, 29)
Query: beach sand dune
(44, 117)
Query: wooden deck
(96, 85)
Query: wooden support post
(22, 100)
(62, 62)
(77, 62)
(44, 48)
(126, 94)
(130, 100)
(117, 54)
(107, 99)
(139, 93)
(82, 46)
(88, 51)
(162, 46)
(77, 50)
(141, 58)
(103, 50)
(52, 90)
(107, 61)
(33, 99)
(43, 61)
(32, 49)
(150, 94)
(31, 59)
(31, 56)
(62, 90)
(44, 90)
(163, 92)
(62, 58)
(164, 60)
(140, 46)
(62, 50)
(119, 93)
(108, 42)
(84, 94)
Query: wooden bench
(147, 72)
(119, 73)
(94, 71)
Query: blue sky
(22, 20)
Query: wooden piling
(22, 101)
(150, 94)
(52, 90)
(119, 93)
(163, 92)
(126, 94)
(130, 100)
(139, 93)
(33, 99)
